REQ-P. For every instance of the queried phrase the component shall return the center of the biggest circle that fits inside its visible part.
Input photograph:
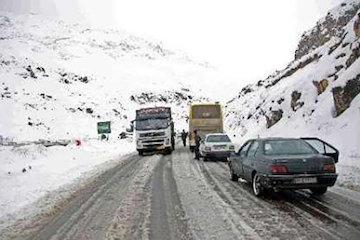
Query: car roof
(216, 134)
(273, 138)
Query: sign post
(104, 128)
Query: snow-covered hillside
(315, 95)
(57, 79)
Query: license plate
(160, 148)
(220, 147)
(305, 180)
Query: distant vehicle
(216, 146)
(285, 163)
(154, 129)
(206, 118)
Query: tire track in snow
(132, 218)
(89, 213)
(208, 215)
(167, 220)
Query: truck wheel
(141, 153)
(233, 176)
(168, 151)
(256, 185)
(318, 191)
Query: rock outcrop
(344, 95)
(321, 86)
(330, 26)
(274, 117)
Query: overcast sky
(249, 39)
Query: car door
(239, 157)
(248, 163)
(323, 147)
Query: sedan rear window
(218, 138)
(287, 147)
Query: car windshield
(287, 147)
(218, 138)
(150, 124)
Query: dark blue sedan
(286, 163)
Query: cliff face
(330, 26)
(317, 94)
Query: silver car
(216, 146)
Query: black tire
(258, 190)
(141, 153)
(233, 176)
(173, 144)
(318, 191)
(168, 151)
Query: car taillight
(329, 167)
(278, 169)
(208, 149)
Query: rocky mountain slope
(317, 94)
(58, 79)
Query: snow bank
(28, 173)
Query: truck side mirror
(131, 128)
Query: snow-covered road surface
(176, 197)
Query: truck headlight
(167, 141)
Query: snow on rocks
(316, 95)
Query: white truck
(154, 130)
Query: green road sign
(103, 127)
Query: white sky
(247, 39)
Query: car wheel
(141, 153)
(318, 191)
(233, 176)
(256, 185)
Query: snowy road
(175, 197)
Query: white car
(216, 146)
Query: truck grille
(152, 134)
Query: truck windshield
(206, 112)
(150, 124)
(287, 147)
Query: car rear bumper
(288, 181)
(217, 154)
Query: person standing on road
(184, 136)
(197, 144)
(357, 25)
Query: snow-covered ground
(28, 173)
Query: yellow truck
(205, 118)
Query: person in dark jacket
(184, 137)
(357, 25)
(197, 144)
